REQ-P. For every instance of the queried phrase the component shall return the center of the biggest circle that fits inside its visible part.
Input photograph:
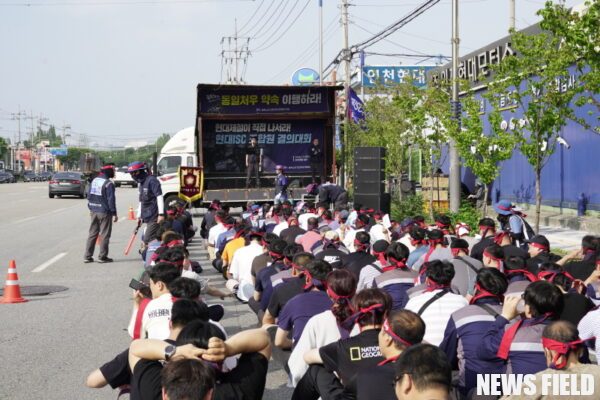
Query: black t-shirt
(533, 264)
(245, 381)
(354, 262)
(581, 269)
(513, 251)
(252, 152)
(315, 153)
(352, 356)
(376, 383)
(479, 247)
(576, 306)
(283, 292)
(290, 234)
(116, 371)
(332, 255)
(259, 263)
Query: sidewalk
(589, 224)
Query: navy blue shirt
(300, 309)
(263, 283)
(149, 190)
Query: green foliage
(3, 147)
(407, 207)
(467, 214)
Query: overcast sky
(124, 71)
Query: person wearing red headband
(312, 301)
(292, 231)
(103, 212)
(493, 256)
(349, 233)
(401, 330)
(369, 272)
(582, 262)
(487, 229)
(562, 349)
(237, 242)
(334, 368)
(539, 253)
(356, 260)
(438, 249)
(467, 326)
(465, 267)
(504, 240)
(208, 219)
(518, 343)
(395, 277)
(326, 327)
(214, 232)
(418, 240)
(263, 287)
(437, 302)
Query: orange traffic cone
(12, 290)
(131, 214)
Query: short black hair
(291, 250)
(544, 298)
(408, 325)
(312, 223)
(435, 234)
(441, 272)
(459, 244)
(492, 280)
(397, 251)
(198, 333)
(591, 242)
(185, 311)
(173, 254)
(319, 269)
(427, 366)
(514, 262)
(187, 379)
(368, 297)
(363, 237)
(419, 219)
(302, 258)
(495, 250)
(488, 222)
(184, 288)
(163, 272)
(277, 246)
(418, 233)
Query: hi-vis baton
(135, 232)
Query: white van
(178, 151)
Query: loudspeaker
(369, 152)
(378, 202)
(369, 187)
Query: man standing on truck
(253, 162)
(315, 154)
(103, 211)
(151, 209)
(281, 185)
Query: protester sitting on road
(518, 276)
(289, 270)
(326, 327)
(400, 330)
(187, 379)
(349, 232)
(361, 256)
(292, 231)
(263, 287)
(465, 267)
(504, 240)
(563, 348)
(438, 249)
(232, 246)
(518, 344)
(395, 277)
(331, 250)
(311, 236)
(444, 224)
(240, 272)
(487, 230)
(298, 310)
(378, 231)
(539, 251)
(154, 243)
(493, 257)
(467, 326)
(369, 272)
(423, 372)
(202, 341)
(334, 368)
(437, 302)
(173, 223)
(288, 288)
(418, 240)
(208, 219)
(586, 256)
(263, 260)
(116, 372)
(214, 232)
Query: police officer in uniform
(281, 185)
(151, 210)
(253, 162)
(103, 212)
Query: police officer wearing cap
(151, 209)
(103, 212)
(281, 185)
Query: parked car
(68, 184)
(122, 177)
(7, 177)
(30, 176)
(44, 176)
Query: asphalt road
(49, 344)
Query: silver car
(68, 184)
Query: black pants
(318, 382)
(252, 170)
(316, 170)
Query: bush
(468, 214)
(407, 207)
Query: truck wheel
(50, 195)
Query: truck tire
(50, 195)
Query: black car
(44, 176)
(68, 184)
(7, 177)
(29, 176)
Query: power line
(117, 3)
(280, 24)
(387, 40)
(287, 29)
(252, 16)
(281, 3)
(247, 33)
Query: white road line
(48, 263)
(24, 220)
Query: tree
(3, 147)
(532, 80)
(481, 152)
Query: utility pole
(320, 42)
(454, 159)
(231, 57)
(17, 157)
(347, 57)
(511, 23)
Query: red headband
(358, 246)
(539, 246)
(488, 255)
(481, 293)
(530, 277)
(336, 296)
(388, 329)
(174, 243)
(499, 237)
(562, 349)
(456, 250)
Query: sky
(122, 72)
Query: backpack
(528, 231)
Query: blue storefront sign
(58, 151)
(394, 75)
(252, 100)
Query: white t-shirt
(303, 220)
(156, 317)
(214, 232)
(378, 232)
(241, 265)
(438, 313)
(588, 327)
(349, 237)
(319, 331)
(279, 227)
